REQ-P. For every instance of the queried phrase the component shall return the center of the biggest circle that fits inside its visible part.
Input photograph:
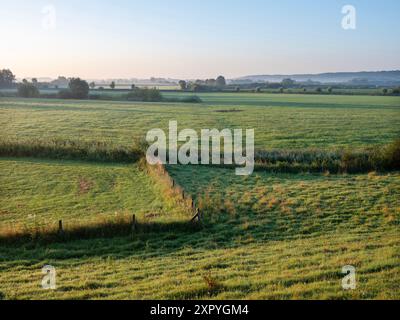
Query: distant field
(280, 121)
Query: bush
(190, 99)
(79, 88)
(391, 155)
(28, 90)
(65, 94)
(146, 95)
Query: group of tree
(144, 94)
(77, 89)
(7, 78)
(28, 89)
(203, 85)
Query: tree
(133, 86)
(195, 87)
(281, 90)
(78, 88)
(182, 84)
(28, 90)
(330, 89)
(396, 90)
(221, 82)
(6, 78)
(258, 89)
(237, 89)
(211, 82)
(112, 85)
(92, 85)
(319, 90)
(287, 83)
(35, 81)
(385, 91)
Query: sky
(188, 39)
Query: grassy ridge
(70, 150)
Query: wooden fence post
(133, 223)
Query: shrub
(79, 88)
(391, 155)
(146, 95)
(191, 99)
(28, 90)
(64, 94)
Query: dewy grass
(288, 238)
(267, 236)
(39, 193)
(280, 121)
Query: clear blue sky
(197, 39)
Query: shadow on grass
(101, 230)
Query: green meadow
(280, 121)
(41, 192)
(265, 236)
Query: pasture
(266, 236)
(280, 121)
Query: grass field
(293, 248)
(266, 236)
(37, 193)
(280, 121)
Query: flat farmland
(280, 121)
(266, 236)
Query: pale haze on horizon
(188, 39)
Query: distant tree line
(203, 85)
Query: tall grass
(70, 150)
(385, 158)
(170, 189)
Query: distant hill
(372, 78)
